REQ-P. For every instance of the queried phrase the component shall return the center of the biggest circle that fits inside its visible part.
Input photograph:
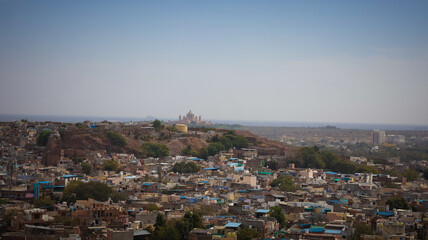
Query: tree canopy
(426, 173)
(272, 165)
(187, 151)
(278, 214)
(188, 167)
(187, 223)
(411, 174)
(116, 139)
(313, 157)
(284, 183)
(398, 203)
(166, 233)
(157, 125)
(43, 202)
(155, 150)
(86, 168)
(78, 190)
(160, 221)
(43, 138)
(214, 148)
(362, 229)
(110, 165)
(225, 142)
(247, 234)
(203, 153)
(178, 230)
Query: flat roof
(262, 211)
(233, 224)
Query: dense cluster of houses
(232, 191)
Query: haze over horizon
(294, 61)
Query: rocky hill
(134, 138)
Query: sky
(309, 61)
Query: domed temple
(190, 118)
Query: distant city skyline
(286, 61)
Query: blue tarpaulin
(262, 211)
(314, 229)
(387, 214)
(210, 168)
(69, 176)
(332, 231)
(233, 224)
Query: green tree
(311, 157)
(366, 169)
(167, 233)
(398, 202)
(152, 207)
(343, 167)
(230, 139)
(272, 164)
(78, 190)
(43, 202)
(226, 142)
(155, 150)
(77, 160)
(110, 165)
(43, 138)
(86, 168)
(426, 173)
(164, 136)
(278, 214)
(329, 158)
(160, 221)
(362, 229)
(247, 234)
(188, 167)
(216, 138)
(284, 183)
(187, 223)
(410, 174)
(215, 148)
(194, 219)
(157, 125)
(116, 139)
(240, 142)
(187, 151)
(203, 153)
(119, 196)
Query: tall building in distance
(395, 139)
(378, 137)
(191, 119)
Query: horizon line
(45, 117)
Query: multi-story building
(378, 137)
(395, 139)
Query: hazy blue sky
(317, 61)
